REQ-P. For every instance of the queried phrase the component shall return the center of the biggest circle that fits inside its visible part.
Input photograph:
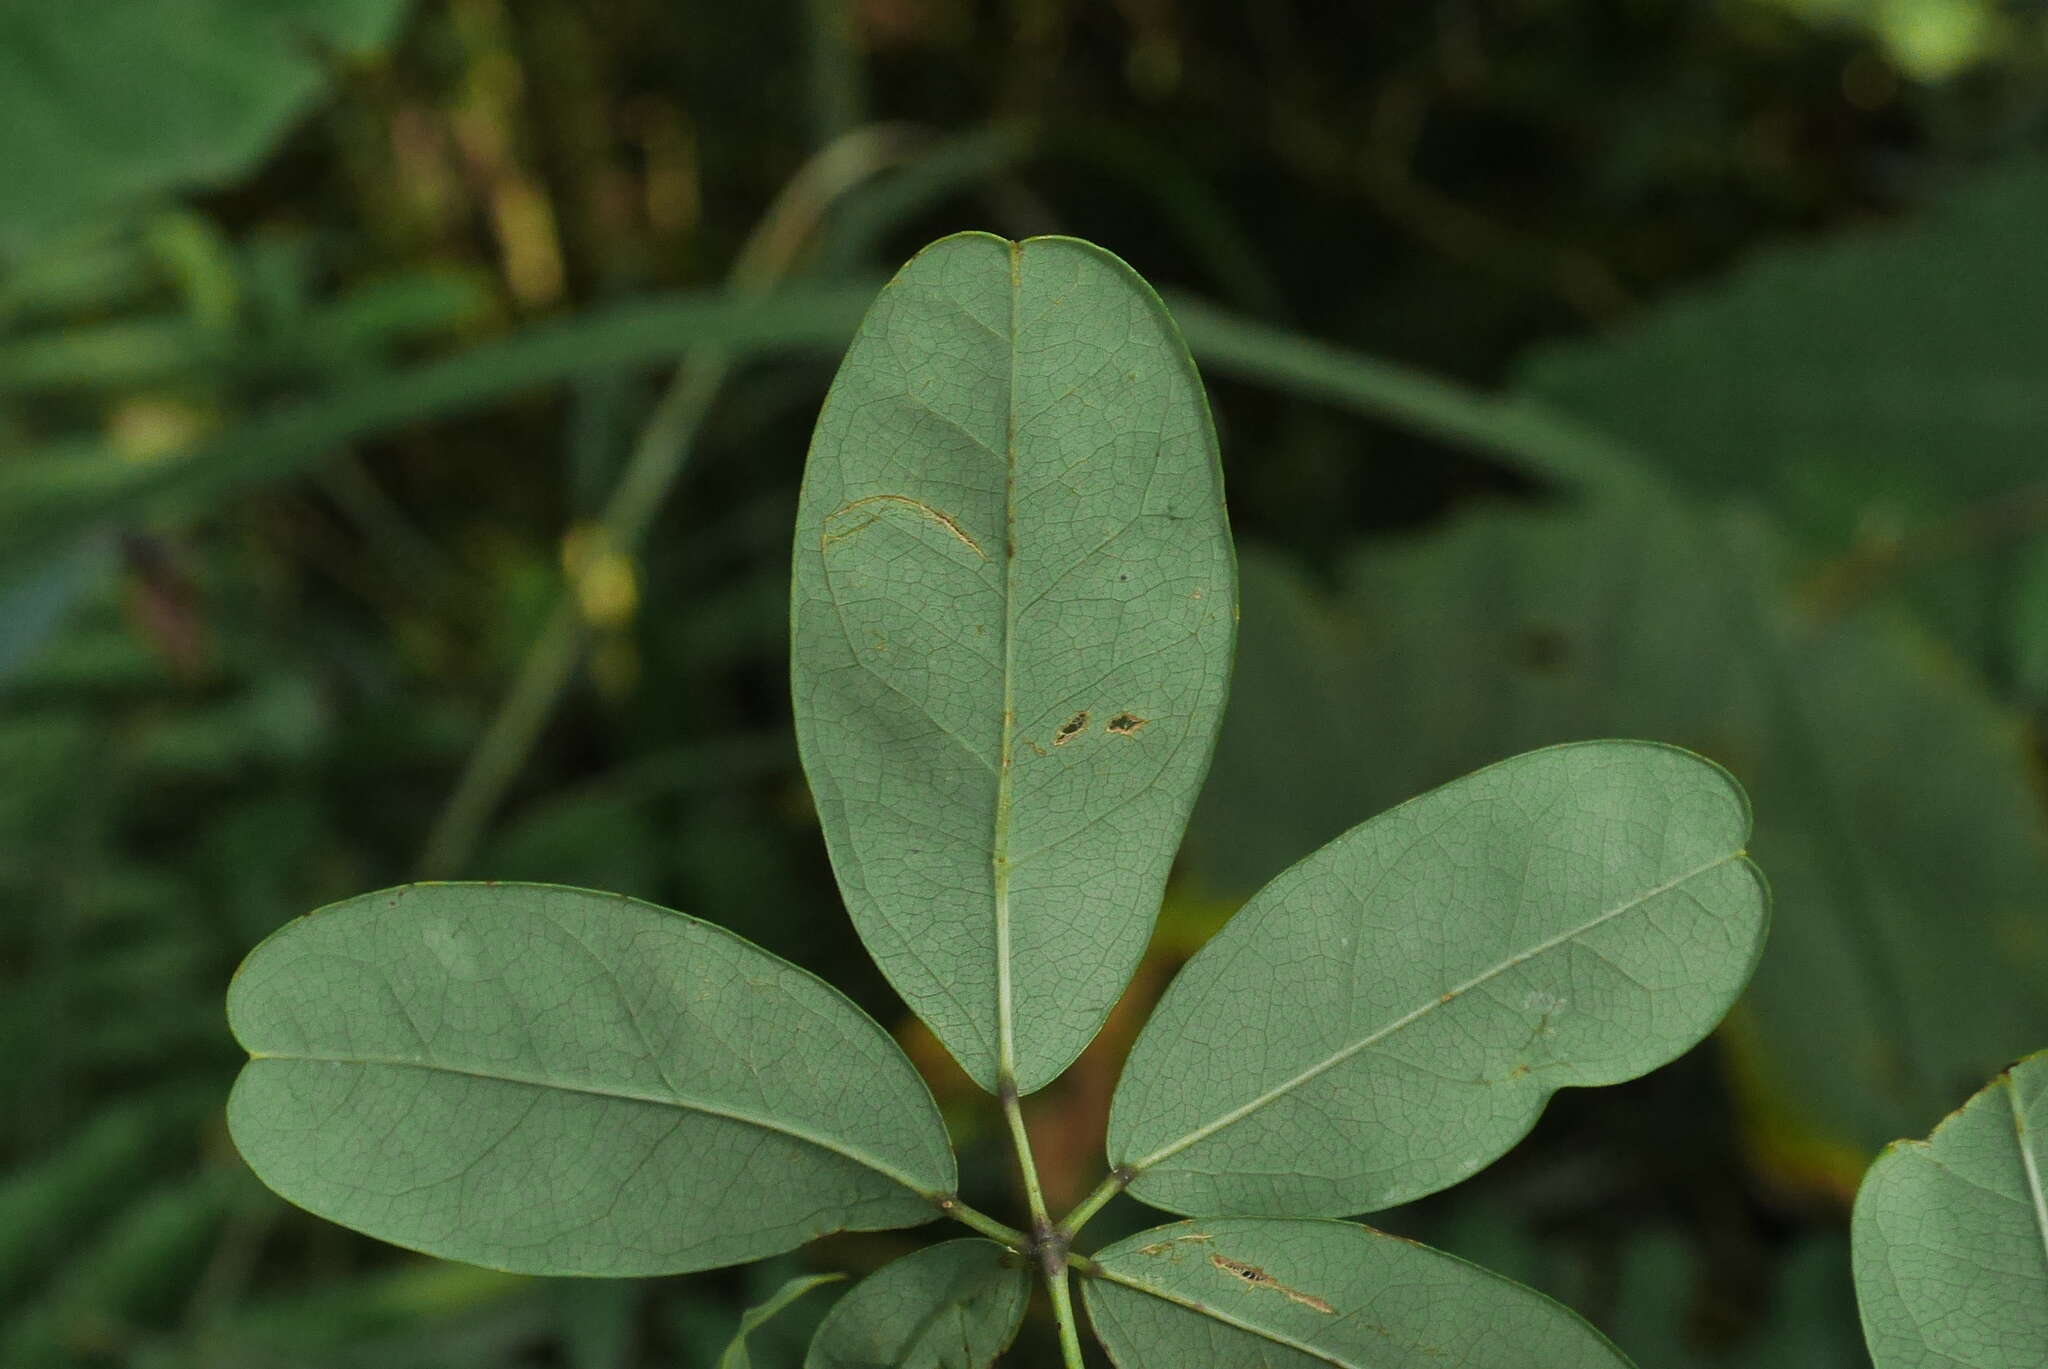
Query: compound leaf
(1261, 1293)
(956, 1305)
(1013, 612)
(552, 1081)
(1951, 1235)
(736, 1355)
(1391, 1014)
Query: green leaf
(1951, 1235)
(1257, 1293)
(1392, 1013)
(1013, 612)
(109, 104)
(1823, 377)
(754, 1318)
(64, 490)
(1907, 975)
(551, 1081)
(956, 1305)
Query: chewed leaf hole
(1259, 1278)
(1071, 728)
(1127, 724)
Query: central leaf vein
(1373, 1038)
(827, 1143)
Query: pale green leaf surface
(1951, 1236)
(551, 1081)
(1898, 977)
(956, 1305)
(1013, 612)
(107, 103)
(1391, 1014)
(1263, 1293)
(736, 1355)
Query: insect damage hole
(1071, 728)
(1126, 724)
(1259, 1278)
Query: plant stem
(1093, 1203)
(985, 1224)
(1048, 1242)
(1013, 1113)
(1063, 1315)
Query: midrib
(1006, 1034)
(668, 1100)
(1373, 1038)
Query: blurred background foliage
(401, 410)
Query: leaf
(1261, 1293)
(107, 105)
(64, 491)
(551, 1081)
(1824, 376)
(736, 1355)
(1906, 975)
(1392, 1013)
(1951, 1235)
(956, 1305)
(1013, 611)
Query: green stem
(985, 1224)
(659, 459)
(1114, 1184)
(1063, 1315)
(1013, 1113)
(1048, 1242)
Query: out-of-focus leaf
(1574, 916)
(49, 496)
(1896, 812)
(107, 104)
(753, 1319)
(1251, 1293)
(1888, 372)
(32, 606)
(1012, 615)
(1951, 1235)
(550, 1081)
(955, 1305)
(123, 1275)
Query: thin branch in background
(659, 459)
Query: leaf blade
(1294, 1294)
(1012, 617)
(1950, 1234)
(954, 1305)
(419, 1056)
(1500, 980)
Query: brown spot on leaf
(1259, 1278)
(1127, 724)
(1071, 728)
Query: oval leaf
(956, 1305)
(1276, 1294)
(1012, 614)
(551, 1081)
(1391, 1014)
(1951, 1235)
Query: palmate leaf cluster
(1013, 613)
